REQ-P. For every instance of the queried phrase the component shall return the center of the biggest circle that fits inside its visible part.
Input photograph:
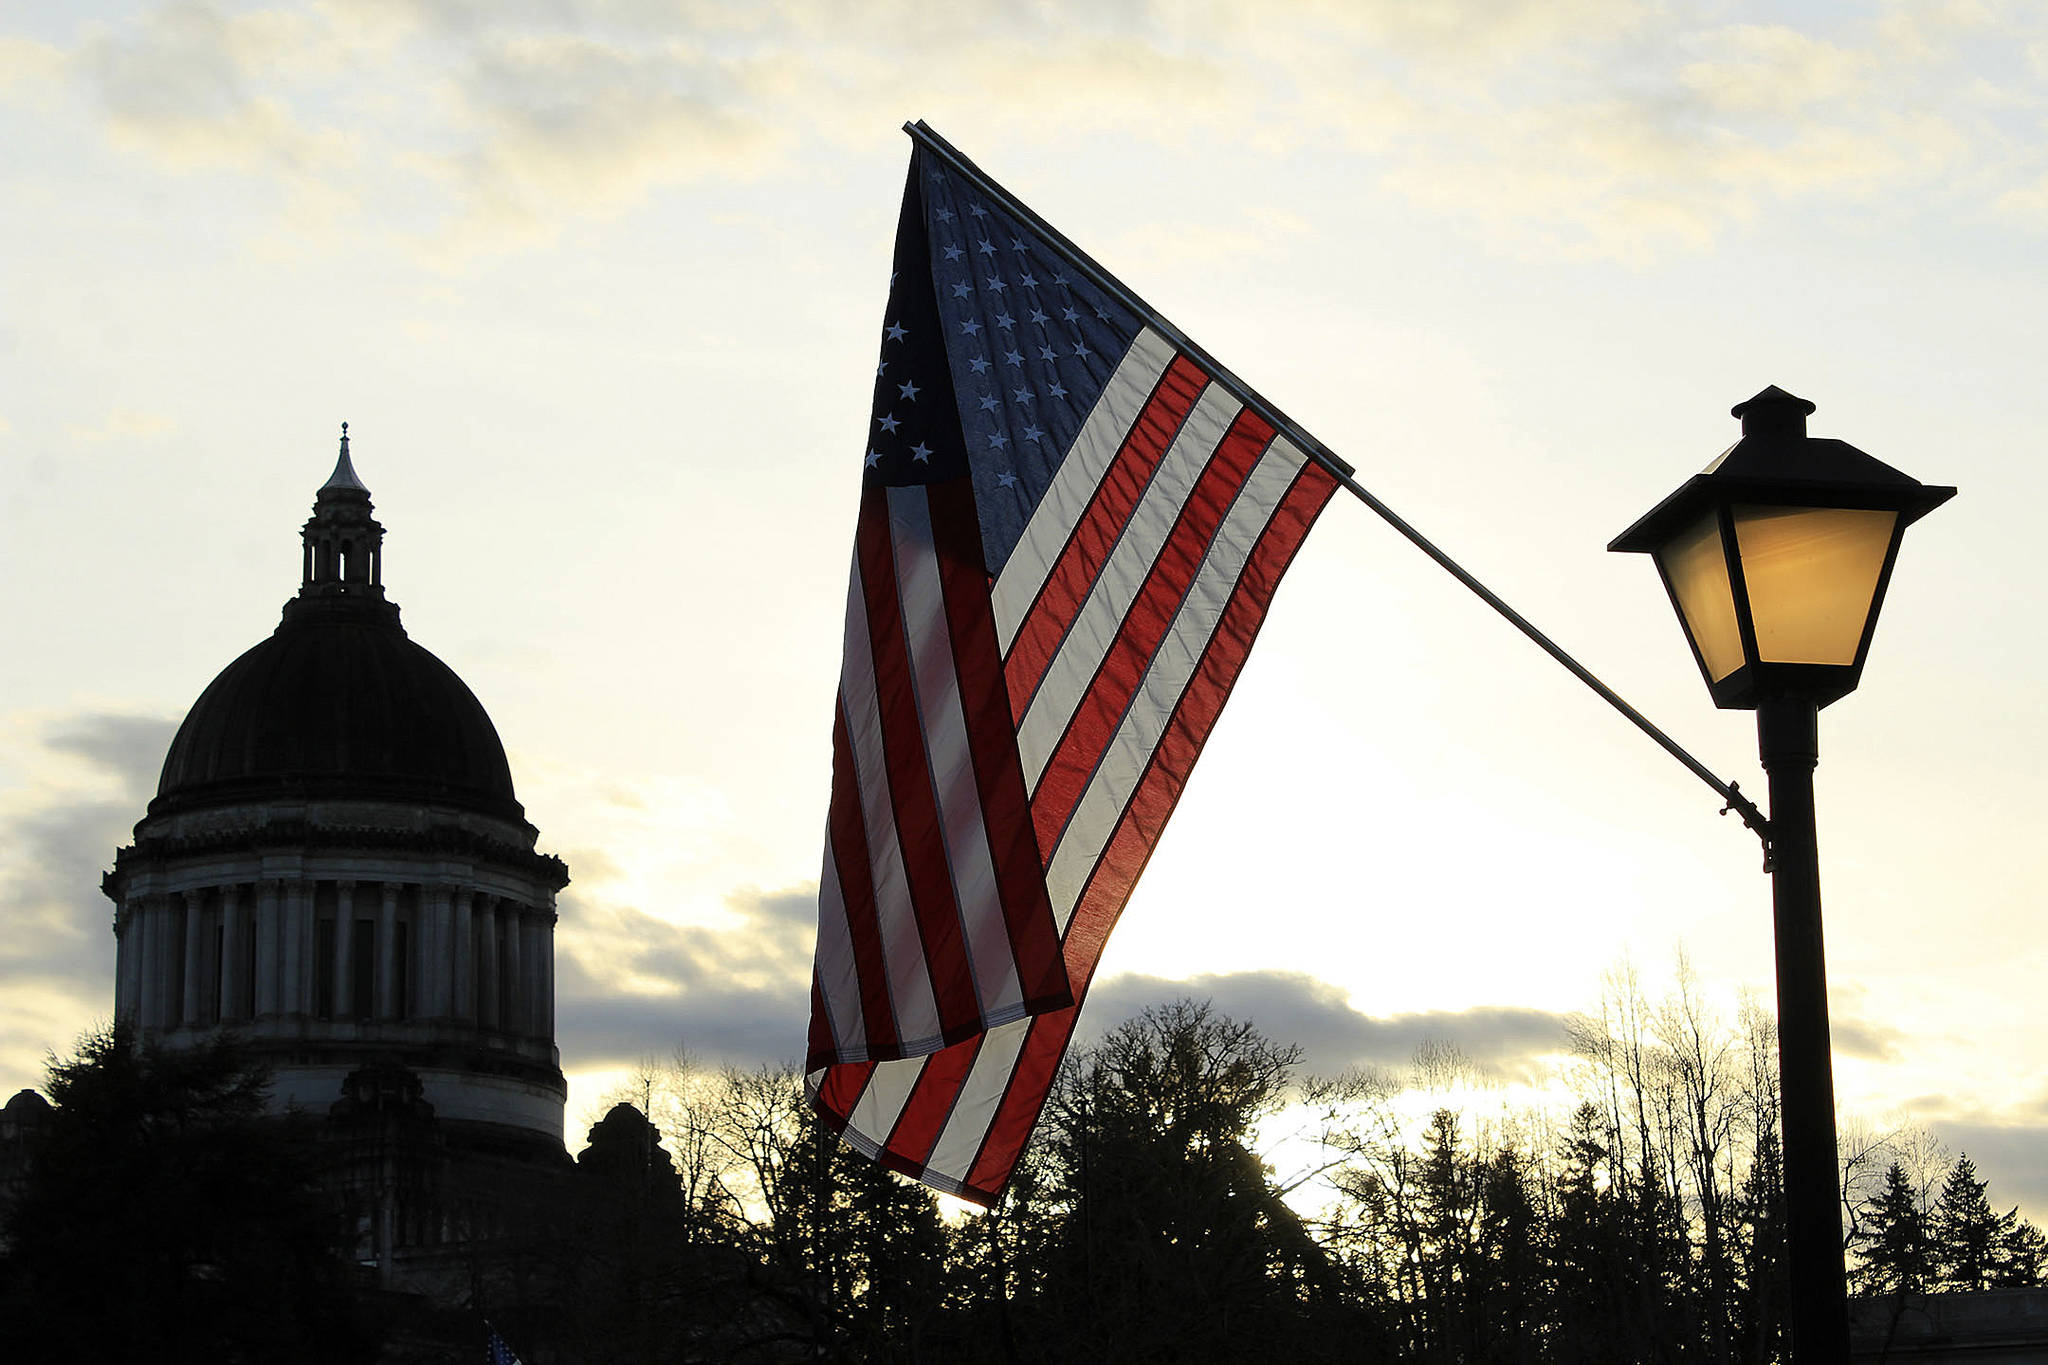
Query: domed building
(335, 866)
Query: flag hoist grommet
(1071, 525)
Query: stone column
(547, 975)
(344, 949)
(488, 1004)
(462, 953)
(436, 952)
(390, 990)
(269, 916)
(127, 959)
(512, 1009)
(192, 1008)
(162, 1010)
(234, 953)
(144, 930)
(295, 970)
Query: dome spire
(344, 475)
(342, 567)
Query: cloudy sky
(598, 285)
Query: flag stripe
(1110, 597)
(876, 780)
(837, 1088)
(862, 865)
(953, 1155)
(1124, 758)
(1028, 936)
(1137, 833)
(1097, 530)
(1074, 484)
(962, 843)
(1157, 608)
(881, 1099)
(932, 1100)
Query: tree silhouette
(164, 1217)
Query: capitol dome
(335, 868)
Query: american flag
(496, 1352)
(1071, 525)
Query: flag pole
(1730, 792)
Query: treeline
(1190, 1195)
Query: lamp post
(1776, 558)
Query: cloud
(124, 424)
(1546, 127)
(181, 84)
(630, 984)
(90, 776)
(1294, 1007)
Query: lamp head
(1777, 555)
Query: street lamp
(1776, 558)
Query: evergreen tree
(165, 1217)
(1966, 1232)
(1896, 1255)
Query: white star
(1032, 433)
(1007, 479)
(986, 248)
(1056, 390)
(1047, 353)
(889, 422)
(1021, 396)
(1028, 282)
(961, 291)
(954, 253)
(871, 461)
(1069, 315)
(979, 364)
(1038, 316)
(1081, 348)
(945, 215)
(1102, 312)
(881, 367)
(977, 210)
(921, 453)
(1058, 278)
(1005, 320)
(970, 327)
(997, 440)
(989, 402)
(908, 388)
(997, 284)
(1014, 358)
(897, 331)
(1016, 245)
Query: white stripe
(838, 969)
(910, 985)
(1124, 761)
(888, 1088)
(985, 930)
(1074, 482)
(1072, 671)
(980, 1093)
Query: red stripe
(931, 1102)
(1095, 535)
(821, 1049)
(1109, 888)
(918, 827)
(1151, 615)
(992, 745)
(847, 844)
(840, 1091)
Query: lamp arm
(1729, 792)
